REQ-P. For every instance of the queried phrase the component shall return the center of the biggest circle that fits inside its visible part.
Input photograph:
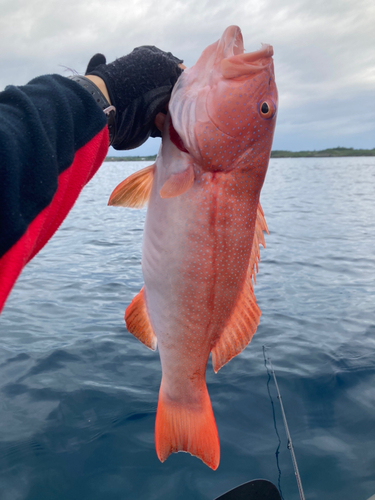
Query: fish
(203, 228)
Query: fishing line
(274, 424)
(290, 444)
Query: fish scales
(202, 233)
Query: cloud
(324, 57)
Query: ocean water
(78, 393)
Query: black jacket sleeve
(53, 138)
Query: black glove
(139, 86)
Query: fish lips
(243, 65)
(234, 62)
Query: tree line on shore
(325, 153)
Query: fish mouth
(234, 62)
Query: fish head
(223, 109)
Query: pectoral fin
(138, 322)
(245, 317)
(135, 190)
(178, 183)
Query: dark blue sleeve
(53, 138)
(42, 126)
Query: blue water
(78, 393)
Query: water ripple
(79, 393)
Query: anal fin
(135, 190)
(245, 317)
(138, 322)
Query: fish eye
(266, 109)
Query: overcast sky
(324, 52)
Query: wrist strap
(102, 102)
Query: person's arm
(54, 137)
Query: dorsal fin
(258, 240)
(135, 190)
(245, 317)
(138, 323)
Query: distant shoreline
(325, 153)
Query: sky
(324, 52)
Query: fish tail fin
(189, 428)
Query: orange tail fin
(192, 429)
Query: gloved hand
(139, 86)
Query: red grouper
(202, 233)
